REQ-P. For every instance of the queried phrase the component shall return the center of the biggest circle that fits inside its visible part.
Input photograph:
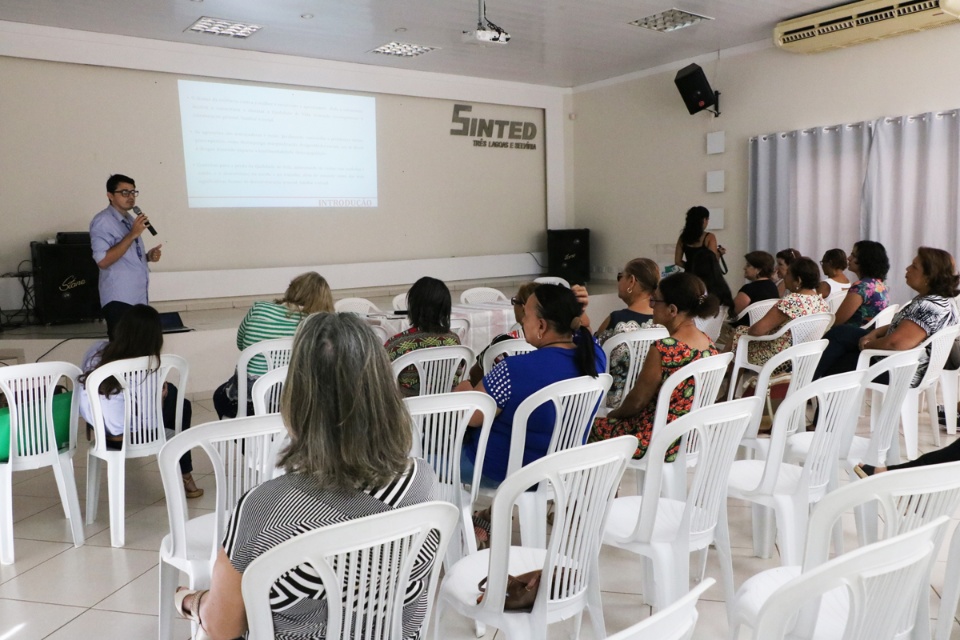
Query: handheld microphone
(150, 228)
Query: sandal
(190, 487)
(193, 615)
(481, 528)
(864, 470)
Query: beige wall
(641, 159)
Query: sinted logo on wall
(502, 134)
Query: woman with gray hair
(348, 458)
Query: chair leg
(116, 478)
(595, 604)
(791, 530)
(67, 483)
(931, 395)
(734, 374)
(866, 516)
(6, 514)
(908, 417)
(951, 591)
(725, 556)
(763, 531)
(93, 488)
(532, 511)
(948, 387)
(169, 575)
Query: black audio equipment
(568, 254)
(65, 283)
(696, 91)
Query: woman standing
(694, 238)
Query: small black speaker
(65, 283)
(694, 89)
(568, 254)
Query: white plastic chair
(359, 306)
(439, 424)
(552, 280)
(437, 367)
(29, 390)
(275, 352)
(267, 391)
(583, 482)
(364, 567)
(712, 326)
(950, 594)
(479, 295)
(575, 403)
(504, 348)
(381, 333)
(637, 343)
(802, 329)
(399, 302)
(707, 374)
(790, 489)
(141, 381)
(938, 345)
(874, 579)
(906, 500)
(678, 621)
(665, 530)
(835, 299)
(883, 318)
(757, 310)
(461, 327)
(243, 455)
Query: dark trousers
(112, 312)
(169, 423)
(950, 453)
(842, 353)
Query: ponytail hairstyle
(693, 226)
(559, 307)
(689, 295)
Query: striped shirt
(266, 321)
(292, 504)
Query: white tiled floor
(56, 591)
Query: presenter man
(119, 252)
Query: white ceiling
(562, 43)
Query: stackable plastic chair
(461, 327)
(552, 280)
(583, 482)
(802, 329)
(883, 318)
(757, 310)
(399, 302)
(874, 579)
(359, 306)
(364, 567)
(437, 367)
(835, 299)
(665, 530)
(479, 295)
(141, 381)
(439, 424)
(381, 333)
(33, 443)
(789, 489)
(637, 343)
(504, 348)
(267, 390)
(712, 326)
(677, 621)
(906, 499)
(938, 345)
(243, 454)
(275, 352)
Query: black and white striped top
(292, 504)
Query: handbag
(521, 591)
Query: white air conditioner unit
(863, 21)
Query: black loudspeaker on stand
(695, 90)
(65, 283)
(568, 254)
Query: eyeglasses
(517, 301)
(654, 301)
(126, 193)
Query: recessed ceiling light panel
(670, 20)
(403, 49)
(220, 27)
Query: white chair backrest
(359, 306)
(479, 295)
(707, 374)
(439, 424)
(675, 622)
(399, 302)
(275, 352)
(504, 348)
(141, 381)
(242, 453)
(757, 310)
(875, 579)
(713, 326)
(584, 481)
(552, 280)
(938, 345)
(437, 367)
(808, 328)
(637, 343)
(835, 299)
(461, 327)
(382, 334)
(883, 318)
(267, 390)
(29, 390)
(575, 403)
(900, 368)
(364, 566)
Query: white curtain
(911, 191)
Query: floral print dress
(793, 305)
(673, 355)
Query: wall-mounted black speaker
(65, 282)
(694, 89)
(568, 254)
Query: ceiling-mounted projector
(486, 32)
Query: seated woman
(635, 286)
(784, 259)
(428, 308)
(564, 349)
(933, 275)
(476, 371)
(307, 293)
(138, 333)
(868, 295)
(833, 262)
(758, 269)
(695, 239)
(348, 458)
(801, 280)
(678, 301)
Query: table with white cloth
(487, 321)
